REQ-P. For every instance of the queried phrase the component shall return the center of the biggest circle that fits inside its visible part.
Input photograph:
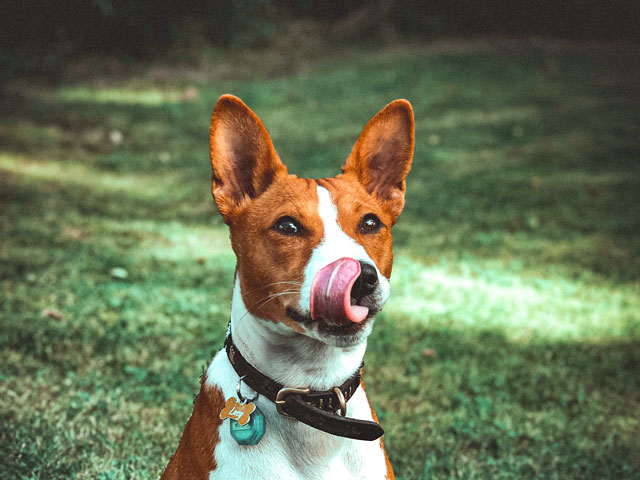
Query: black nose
(365, 283)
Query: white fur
(291, 450)
(289, 357)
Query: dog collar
(316, 408)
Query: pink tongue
(331, 293)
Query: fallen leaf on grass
(52, 313)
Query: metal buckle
(286, 391)
(343, 403)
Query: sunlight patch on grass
(479, 118)
(477, 295)
(121, 96)
(138, 185)
(176, 241)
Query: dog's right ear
(242, 156)
(381, 158)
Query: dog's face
(314, 255)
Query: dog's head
(314, 255)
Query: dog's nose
(366, 282)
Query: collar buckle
(288, 391)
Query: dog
(284, 399)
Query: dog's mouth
(332, 295)
(330, 329)
(342, 299)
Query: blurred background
(510, 347)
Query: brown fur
(381, 158)
(242, 156)
(271, 257)
(194, 458)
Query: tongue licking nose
(331, 293)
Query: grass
(510, 347)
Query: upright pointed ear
(242, 156)
(381, 158)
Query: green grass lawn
(510, 347)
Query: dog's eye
(370, 223)
(288, 226)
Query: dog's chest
(289, 449)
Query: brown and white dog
(313, 264)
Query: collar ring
(241, 397)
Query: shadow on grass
(477, 402)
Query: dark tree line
(44, 30)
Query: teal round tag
(251, 433)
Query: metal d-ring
(341, 400)
(241, 397)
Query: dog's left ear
(381, 158)
(244, 161)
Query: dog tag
(246, 421)
(250, 433)
(240, 412)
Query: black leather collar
(318, 409)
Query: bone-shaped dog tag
(246, 421)
(241, 412)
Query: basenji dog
(284, 398)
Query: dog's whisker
(272, 296)
(261, 304)
(299, 284)
(258, 305)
